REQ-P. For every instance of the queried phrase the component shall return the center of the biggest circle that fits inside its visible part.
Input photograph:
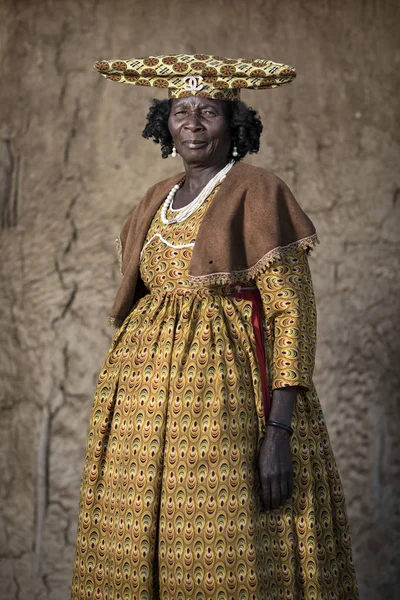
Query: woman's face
(200, 130)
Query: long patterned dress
(170, 497)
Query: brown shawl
(253, 221)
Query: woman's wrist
(279, 425)
(283, 401)
(275, 434)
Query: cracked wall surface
(72, 165)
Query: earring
(173, 153)
(235, 152)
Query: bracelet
(281, 426)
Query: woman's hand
(275, 468)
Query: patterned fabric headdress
(199, 74)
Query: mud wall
(73, 163)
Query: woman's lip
(194, 143)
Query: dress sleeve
(289, 308)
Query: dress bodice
(167, 250)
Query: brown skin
(275, 457)
(205, 121)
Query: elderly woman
(209, 474)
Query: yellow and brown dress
(170, 506)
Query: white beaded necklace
(188, 210)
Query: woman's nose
(193, 123)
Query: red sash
(257, 314)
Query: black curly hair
(246, 127)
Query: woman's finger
(275, 493)
(284, 489)
(266, 495)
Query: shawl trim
(246, 275)
(118, 245)
(114, 322)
